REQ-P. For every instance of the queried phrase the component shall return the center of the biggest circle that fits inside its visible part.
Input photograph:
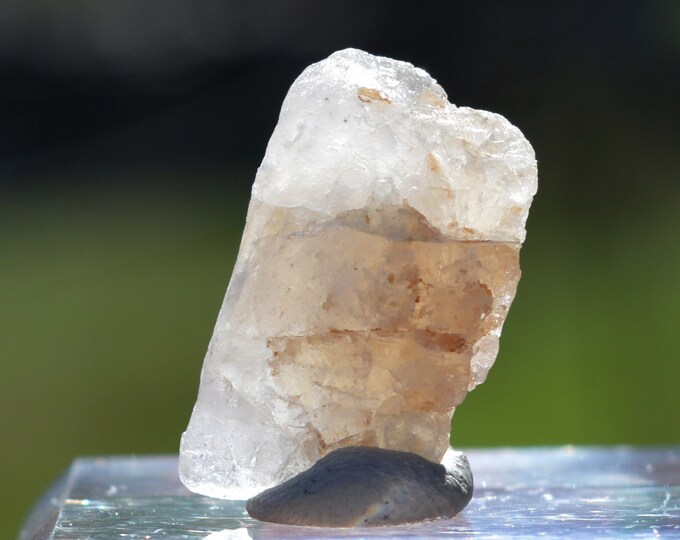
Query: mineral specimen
(376, 269)
(368, 487)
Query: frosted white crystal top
(372, 128)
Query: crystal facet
(376, 269)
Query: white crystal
(378, 262)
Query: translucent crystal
(378, 263)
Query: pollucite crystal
(376, 269)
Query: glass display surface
(555, 492)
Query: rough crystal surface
(376, 269)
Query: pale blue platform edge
(607, 492)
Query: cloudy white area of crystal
(356, 128)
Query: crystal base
(556, 492)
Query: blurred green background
(130, 134)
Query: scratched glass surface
(550, 492)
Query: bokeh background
(130, 133)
